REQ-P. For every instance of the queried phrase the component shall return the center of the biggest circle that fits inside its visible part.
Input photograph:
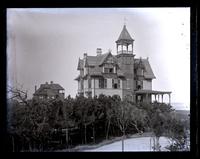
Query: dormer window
(139, 85)
(108, 70)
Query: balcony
(125, 52)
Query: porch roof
(152, 92)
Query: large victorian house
(120, 74)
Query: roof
(78, 77)
(94, 60)
(97, 61)
(125, 35)
(151, 92)
(96, 71)
(80, 64)
(148, 73)
(48, 89)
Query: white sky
(45, 44)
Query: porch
(146, 96)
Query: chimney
(51, 82)
(46, 83)
(99, 51)
(84, 55)
(35, 88)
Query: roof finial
(125, 21)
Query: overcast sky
(45, 44)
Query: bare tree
(123, 117)
(17, 94)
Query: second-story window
(128, 84)
(105, 83)
(114, 83)
(139, 85)
(118, 83)
(101, 81)
(89, 83)
(82, 86)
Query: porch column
(162, 98)
(94, 87)
(155, 97)
(122, 48)
(132, 48)
(169, 98)
(158, 97)
(146, 97)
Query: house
(121, 74)
(49, 91)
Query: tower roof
(124, 35)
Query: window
(118, 83)
(101, 83)
(139, 85)
(128, 83)
(115, 83)
(142, 72)
(105, 83)
(89, 83)
(139, 98)
(108, 70)
(82, 86)
(61, 91)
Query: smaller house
(49, 91)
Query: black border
(194, 153)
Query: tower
(125, 59)
(124, 43)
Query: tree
(123, 111)
(178, 135)
(158, 116)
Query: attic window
(108, 70)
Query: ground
(136, 142)
(133, 144)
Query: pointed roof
(124, 35)
(80, 64)
(148, 72)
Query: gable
(109, 59)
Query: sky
(44, 45)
